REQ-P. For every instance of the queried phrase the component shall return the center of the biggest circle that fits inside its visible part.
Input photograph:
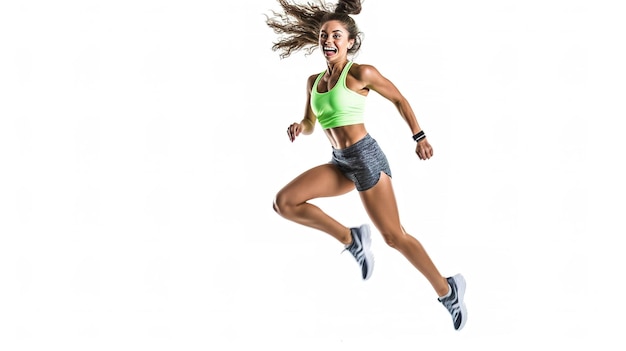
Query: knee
(393, 239)
(281, 204)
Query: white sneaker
(454, 301)
(360, 249)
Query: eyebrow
(336, 30)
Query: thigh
(322, 181)
(380, 204)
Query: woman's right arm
(307, 125)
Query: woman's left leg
(380, 204)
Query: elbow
(309, 127)
(402, 103)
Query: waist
(343, 137)
(355, 147)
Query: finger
(425, 152)
(419, 151)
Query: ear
(351, 44)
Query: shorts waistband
(364, 142)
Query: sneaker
(454, 301)
(360, 249)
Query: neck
(336, 66)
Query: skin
(326, 180)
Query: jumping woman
(336, 100)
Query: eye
(323, 36)
(336, 36)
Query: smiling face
(334, 40)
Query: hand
(293, 131)
(424, 150)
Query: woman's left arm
(372, 79)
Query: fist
(423, 149)
(293, 131)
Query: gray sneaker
(454, 302)
(360, 249)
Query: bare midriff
(342, 137)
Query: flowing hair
(298, 25)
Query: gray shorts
(362, 162)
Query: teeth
(330, 49)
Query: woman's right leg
(321, 181)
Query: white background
(142, 142)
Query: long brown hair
(298, 25)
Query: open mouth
(329, 51)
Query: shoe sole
(366, 240)
(460, 285)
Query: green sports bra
(340, 106)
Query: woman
(336, 99)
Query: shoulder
(363, 72)
(311, 80)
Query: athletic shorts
(362, 162)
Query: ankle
(445, 290)
(347, 238)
